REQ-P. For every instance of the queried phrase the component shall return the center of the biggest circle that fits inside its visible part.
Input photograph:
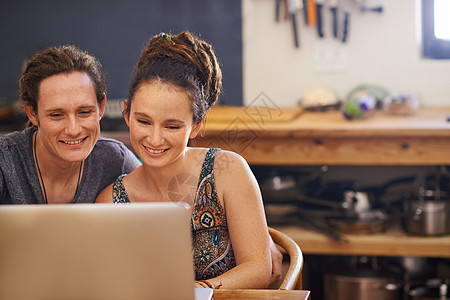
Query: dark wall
(115, 31)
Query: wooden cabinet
(290, 136)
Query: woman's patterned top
(118, 191)
(212, 251)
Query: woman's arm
(105, 196)
(239, 191)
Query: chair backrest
(293, 278)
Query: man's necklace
(40, 175)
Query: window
(436, 29)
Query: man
(60, 158)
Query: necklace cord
(40, 174)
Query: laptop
(97, 251)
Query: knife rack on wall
(316, 11)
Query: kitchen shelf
(290, 136)
(393, 242)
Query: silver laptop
(97, 251)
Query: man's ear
(31, 114)
(126, 112)
(102, 106)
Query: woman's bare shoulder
(229, 160)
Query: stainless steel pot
(428, 216)
(361, 285)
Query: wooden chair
(293, 278)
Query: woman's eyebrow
(141, 114)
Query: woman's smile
(155, 151)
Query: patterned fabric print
(118, 191)
(212, 250)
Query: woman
(176, 81)
(60, 158)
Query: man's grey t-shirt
(19, 182)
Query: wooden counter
(290, 136)
(391, 243)
(261, 294)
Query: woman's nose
(156, 137)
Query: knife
(364, 8)
(312, 14)
(345, 6)
(333, 8)
(277, 10)
(293, 7)
(305, 11)
(377, 9)
(319, 6)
